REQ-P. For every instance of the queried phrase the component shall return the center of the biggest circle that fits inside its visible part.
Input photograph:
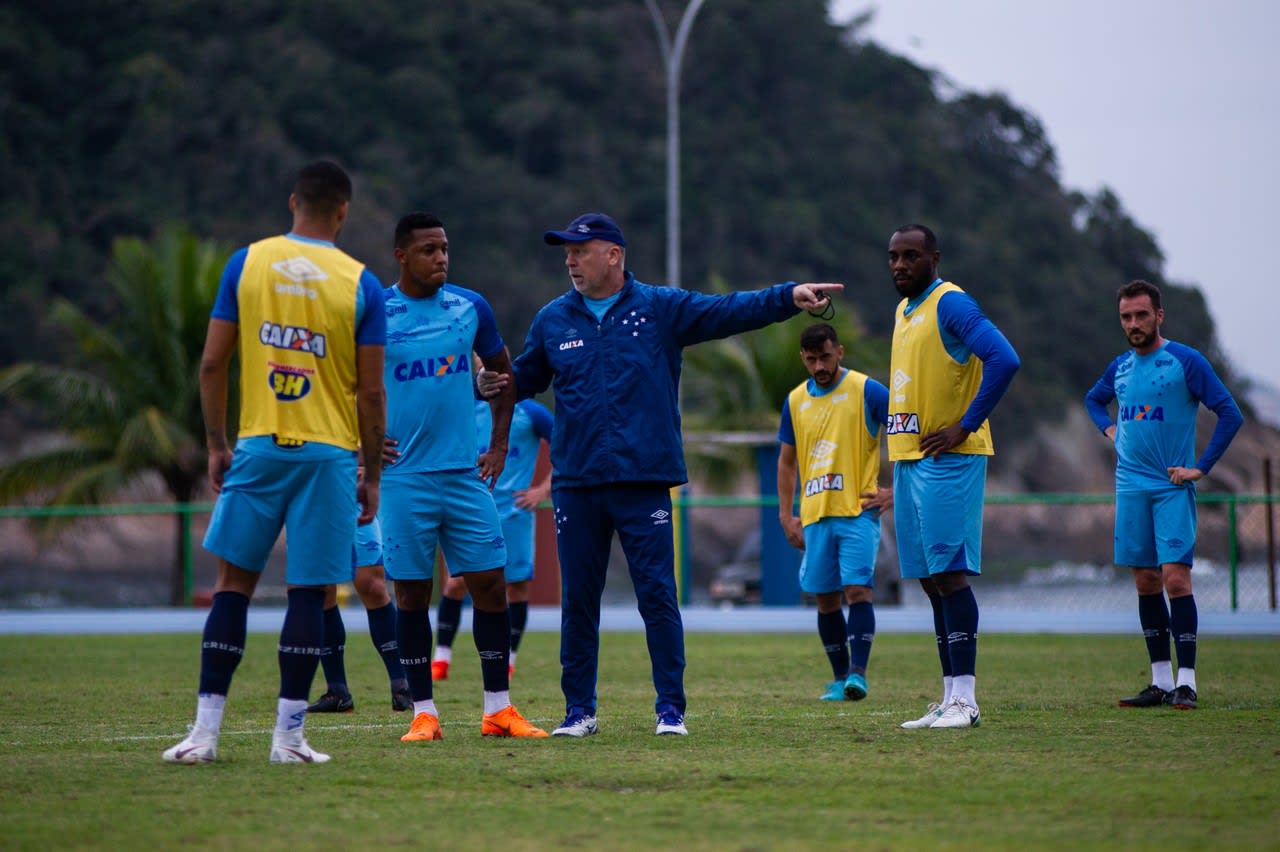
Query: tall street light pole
(672, 57)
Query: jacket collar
(579, 301)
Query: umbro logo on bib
(298, 269)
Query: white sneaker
(200, 746)
(576, 725)
(671, 723)
(958, 714)
(292, 747)
(925, 721)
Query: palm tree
(739, 384)
(130, 403)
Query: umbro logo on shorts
(660, 517)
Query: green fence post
(188, 563)
(1233, 552)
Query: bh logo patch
(288, 383)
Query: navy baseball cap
(588, 226)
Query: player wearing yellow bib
(949, 367)
(830, 435)
(308, 323)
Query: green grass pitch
(1055, 764)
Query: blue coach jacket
(617, 417)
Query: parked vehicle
(737, 582)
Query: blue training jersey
(428, 376)
(530, 425)
(1157, 397)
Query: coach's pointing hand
(811, 297)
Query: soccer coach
(611, 348)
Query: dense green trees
(128, 399)
(804, 145)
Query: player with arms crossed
(1159, 386)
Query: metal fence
(1039, 550)
(1047, 551)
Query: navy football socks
(448, 617)
(301, 642)
(491, 632)
(335, 645)
(519, 614)
(382, 632)
(413, 634)
(222, 646)
(961, 612)
(835, 641)
(1153, 615)
(1183, 622)
(862, 631)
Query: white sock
(209, 711)
(1162, 674)
(443, 654)
(962, 687)
(511, 659)
(290, 712)
(1187, 677)
(428, 706)
(948, 684)
(495, 701)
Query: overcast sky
(1175, 105)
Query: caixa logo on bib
(292, 337)
(288, 384)
(903, 423)
(826, 482)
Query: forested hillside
(804, 145)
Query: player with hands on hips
(1158, 387)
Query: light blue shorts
(1155, 527)
(840, 552)
(937, 514)
(451, 508)
(367, 549)
(314, 501)
(518, 530)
